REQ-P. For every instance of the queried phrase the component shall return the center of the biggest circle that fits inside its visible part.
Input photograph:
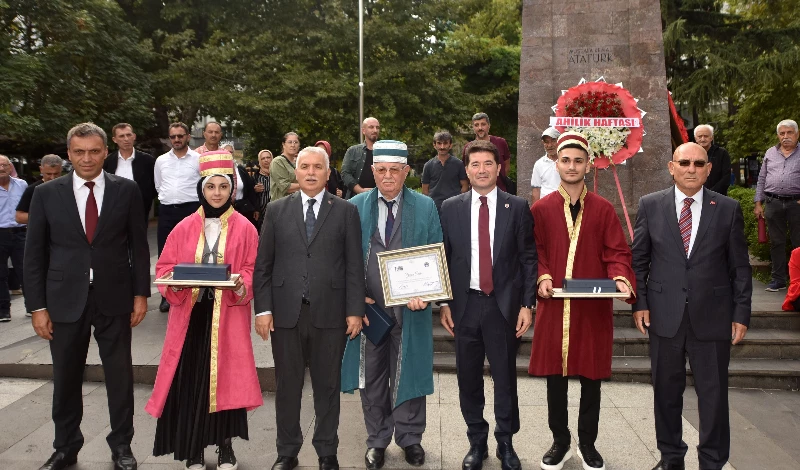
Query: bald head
(371, 129)
(689, 168)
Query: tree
(67, 62)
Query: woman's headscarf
(216, 163)
(327, 146)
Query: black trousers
(709, 362)
(481, 333)
(168, 217)
(780, 215)
(588, 412)
(12, 245)
(322, 349)
(68, 349)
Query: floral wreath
(611, 124)
(610, 119)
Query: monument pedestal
(567, 40)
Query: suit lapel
(299, 214)
(68, 196)
(707, 212)
(501, 217)
(668, 204)
(465, 223)
(110, 196)
(112, 161)
(324, 210)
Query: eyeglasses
(686, 163)
(179, 136)
(392, 171)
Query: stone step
(629, 342)
(761, 320)
(782, 374)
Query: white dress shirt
(125, 165)
(81, 192)
(315, 208)
(491, 201)
(239, 184)
(176, 178)
(696, 207)
(383, 212)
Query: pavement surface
(764, 423)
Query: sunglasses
(179, 136)
(686, 163)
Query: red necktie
(91, 212)
(484, 248)
(685, 223)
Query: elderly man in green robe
(393, 378)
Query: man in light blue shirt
(12, 234)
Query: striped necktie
(685, 223)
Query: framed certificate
(414, 272)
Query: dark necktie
(311, 219)
(90, 216)
(484, 248)
(685, 223)
(389, 221)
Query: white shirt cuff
(264, 313)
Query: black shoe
(123, 458)
(226, 460)
(591, 458)
(329, 462)
(374, 458)
(6, 316)
(164, 307)
(507, 456)
(475, 457)
(669, 466)
(415, 454)
(285, 463)
(197, 463)
(555, 458)
(59, 460)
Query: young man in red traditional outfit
(578, 235)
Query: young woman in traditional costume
(206, 379)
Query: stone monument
(568, 40)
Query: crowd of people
(305, 240)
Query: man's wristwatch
(529, 307)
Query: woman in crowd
(282, 169)
(335, 184)
(262, 183)
(206, 379)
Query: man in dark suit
(693, 290)
(87, 265)
(309, 306)
(491, 256)
(132, 164)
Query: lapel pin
(330, 202)
(713, 203)
(506, 206)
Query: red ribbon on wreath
(604, 100)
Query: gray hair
(3, 156)
(316, 150)
(51, 160)
(786, 123)
(706, 126)
(479, 116)
(87, 129)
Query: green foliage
(745, 197)
(744, 54)
(66, 62)
(413, 182)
